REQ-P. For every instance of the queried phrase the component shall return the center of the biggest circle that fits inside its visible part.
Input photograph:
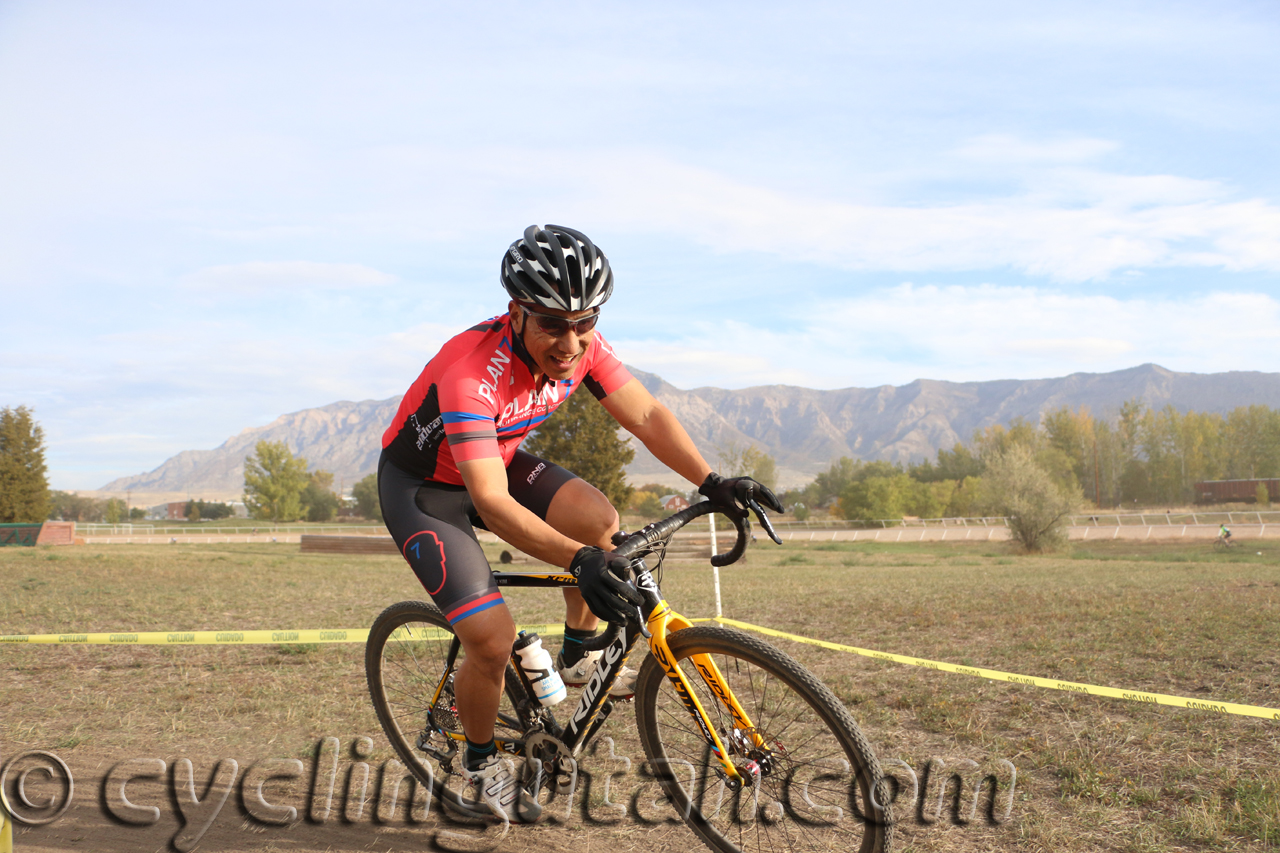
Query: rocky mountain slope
(804, 429)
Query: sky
(212, 214)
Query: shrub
(1037, 508)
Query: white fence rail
(197, 529)
(1205, 532)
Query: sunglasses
(557, 327)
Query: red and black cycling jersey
(477, 399)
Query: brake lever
(764, 520)
(618, 538)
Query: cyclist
(1223, 533)
(450, 462)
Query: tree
(929, 500)
(954, 464)
(1253, 435)
(879, 497)
(875, 498)
(24, 488)
(192, 511)
(116, 511)
(582, 437)
(831, 483)
(213, 510)
(647, 505)
(996, 439)
(750, 461)
(1262, 496)
(318, 497)
(968, 499)
(68, 506)
(366, 494)
(273, 482)
(1036, 506)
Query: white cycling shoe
(498, 787)
(579, 674)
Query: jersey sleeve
(606, 373)
(468, 407)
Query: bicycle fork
(660, 618)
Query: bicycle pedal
(443, 756)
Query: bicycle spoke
(813, 779)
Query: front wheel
(811, 772)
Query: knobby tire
(817, 793)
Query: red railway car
(1234, 491)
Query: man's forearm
(666, 439)
(514, 524)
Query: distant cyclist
(450, 462)
(1223, 533)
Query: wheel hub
(760, 760)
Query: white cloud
(1069, 225)
(1079, 350)
(260, 276)
(899, 334)
(1004, 149)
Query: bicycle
(1222, 543)
(751, 749)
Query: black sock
(572, 650)
(477, 753)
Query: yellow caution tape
(219, 638)
(360, 635)
(192, 638)
(1051, 683)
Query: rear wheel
(404, 659)
(810, 771)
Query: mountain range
(803, 428)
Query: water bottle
(538, 668)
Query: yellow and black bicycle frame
(661, 620)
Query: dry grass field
(1092, 773)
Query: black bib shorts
(433, 525)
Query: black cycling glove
(600, 580)
(731, 495)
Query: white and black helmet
(556, 267)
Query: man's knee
(602, 516)
(487, 638)
(594, 513)
(581, 511)
(490, 650)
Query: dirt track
(88, 825)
